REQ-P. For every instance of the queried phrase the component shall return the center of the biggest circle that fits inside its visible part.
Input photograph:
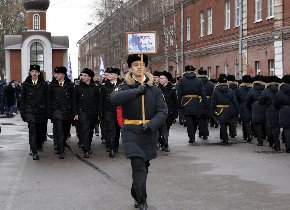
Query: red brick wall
(15, 65)
(286, 8)
(286, 56)
(29, 16)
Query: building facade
(223, 36)
(34, 46)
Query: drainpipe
(181, 42)
(241, 40)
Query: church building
(34, 46)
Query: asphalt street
(205, 175)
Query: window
(237, 70)
(171, 36)
(209, 71)
(258, 67)
(36, 54)
(201, 24)
(271, 67)
(226, 69)
(237, 13)
(209, 21)
(36, 22)
(188, 29)
(271, 8)
(227, 15)
(258, 10)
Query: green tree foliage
(12, 21)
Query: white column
(7, 65)
(278, 45)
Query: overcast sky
(70, 18)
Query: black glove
(141, 90)
(146, 128)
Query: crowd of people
(261, 104)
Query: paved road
(202, 176)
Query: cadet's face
(85, 77)
(112, 76)
(59, 76)
(156, 79)
(136, 68)
(163, 80)
(34, 74)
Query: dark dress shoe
(35, 156)
(166, 149)
(40, 149)
(143, 206)
(288, 150)
(136, 205)
(260, 144)
(191, 141)
(61, 156)
(86, 155)
(31, 153)
(112, 153)
(204, 138)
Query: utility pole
(181, 41)
(241, 40)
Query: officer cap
(135, 57)
(34, 67)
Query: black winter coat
(209, 87)
(86, 101)
(34, 101)
(224, 103)
(267, 99)
(9, 95)
(189, 85)
(241, 94)
(60, 100)
(169, 94)
(258, 111)
(106, 110)
(282, 103)
(135, 142)
(234, 86)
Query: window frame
(237, 13)
(202, 31)
(39, 50)
(271, 9)
(258, 12)
(227, 14)
(188, 29)
(258, 70)
(36, 22)
(209, 21)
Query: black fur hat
(167, 75)
(231, 78)
(135, 57)
(34, 67)
(213, 81)
(247, 79)
(189, 68)
(157, 73)
(202, 71)
(113, 70)
(222, 78)
(88, 72)
(273, 79)
(286, 78)
(259, 78)
(60, 69)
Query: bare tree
(12, 21)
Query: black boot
(136, 205)
(35, 156)
(86, 155)
(61, 156)
(112, 153)
(143, 206)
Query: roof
(60, 42)
(12, 41)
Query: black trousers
(275, 134)
(103, 129)
(139, 176)
(203, 126)
(224, 131)
(112, 135)
(287, 138)
(86, 132)
(233, 126)
(260, 131)
(37, 133)
(191, 122)
(247, 129)
(164, 134)
(61, 129)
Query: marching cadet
(245, 113)
(224, 104)
(258, 111)
(282, 103)
(169, 94)
(34, 108)
(204, 113)
(234, 119)
(272, 114)
(140, 140)
(108, 112)
(156, 77)
(60, 101)
(86, 101)
(190, 90)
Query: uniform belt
(135, 122)
(190, 96)
(222, 106)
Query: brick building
(224, 36)
(34, 46)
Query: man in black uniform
(234, 119)
(224, 104)
(60, 101)
(190, 90)
(140, 140)
(204, 113)
(108, 112)
(86, 102)
(34, 108)
(169, 93)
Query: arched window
(36, 22)
(36, 55)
